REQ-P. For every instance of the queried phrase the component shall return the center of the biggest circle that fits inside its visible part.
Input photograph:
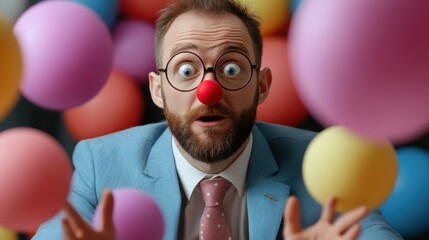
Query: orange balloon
(142, 9)
(119, 105)
(10, 68)
(283, 104)
(35, 176)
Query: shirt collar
(190, 176)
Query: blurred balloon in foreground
(6, 234)
(106, 9)
(142, 9)
(283, 105)
(133, 47)
(11, 9)
(10, 68)
(119, 105)
(364, 64)
(67, 52)
(273, 14)
(355, 170)
(35, 175)
(136, 216)
(407, 208)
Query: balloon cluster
(370, 76)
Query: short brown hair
(176, 8)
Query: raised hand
(346, 227)
(76, 228)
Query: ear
(155, 89)
(265, 78)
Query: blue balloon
(407, 208)
(295, 4)
(106, 9)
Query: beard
(215, 145)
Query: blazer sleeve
(374, 227)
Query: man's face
(209, 133)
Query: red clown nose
(209, 92)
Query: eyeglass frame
(210, 69)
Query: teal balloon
(295, 4)
(106, 9)
(407, 208)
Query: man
(210, 133)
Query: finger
(76, 222)
(349, 219)
(353, 232)
(67, 232)
(107, 210)
(292, 217)
(328, 213)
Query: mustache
(217, 109)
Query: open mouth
(210, 118)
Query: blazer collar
(266, 193)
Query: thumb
(107, 204)
(292, 216)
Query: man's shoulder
(276, 131)
(147, 132)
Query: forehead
(207, 35)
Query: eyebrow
(224, 48)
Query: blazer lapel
(162, 183)
(266, 196)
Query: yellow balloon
(273, 14)
(10, 68)
(356, 170)
(6, 234)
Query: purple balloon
(133, 43)
(364, 64)
(136, 216)
(67, 52)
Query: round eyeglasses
(185, 71)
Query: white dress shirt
(235, 199)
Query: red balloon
(142, 9)
(35, 176)
(283, 104)
(209, 92)
(119, 105)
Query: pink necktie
(214, 224)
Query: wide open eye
(231, 70)
(186, 70)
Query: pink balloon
(35, 175)
(67, 52)
(364, 64)
(133, 43)
(136, 216)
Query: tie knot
(214, 190)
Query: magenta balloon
(35, 176)
(364, 64)
(67, 51)
(136, 216)
(133, 43)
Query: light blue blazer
(142, 158)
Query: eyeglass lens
(186, 70)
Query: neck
(211, 168)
